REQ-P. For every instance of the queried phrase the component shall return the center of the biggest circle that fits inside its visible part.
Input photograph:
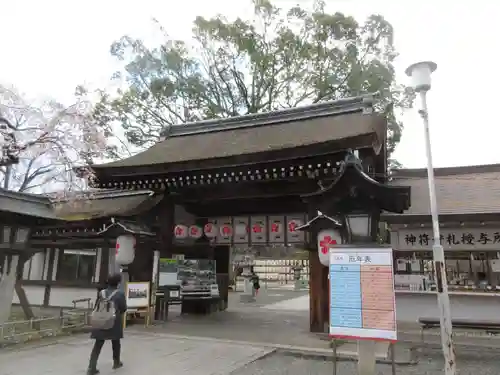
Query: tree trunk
(7, 285)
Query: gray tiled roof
(256, 133)
(98, 204)
(459, 190)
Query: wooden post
(166, 219)
(318, 294)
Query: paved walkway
(223, 342)
(142, 353)
(410, 307)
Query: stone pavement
(232, 340)
(142, 353)
(278, 364)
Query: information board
(362, 299)
(137, 294)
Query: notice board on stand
(362, 298)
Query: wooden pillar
(104, 267)
(166, 220)
(222, 259)
(318, 294)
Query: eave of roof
(112, 203)
(263, 132)
(85, 206)
(26, 204)
(351, 176)
(468, 190)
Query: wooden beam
(104, 269)
(50, 269)
(166, 219)
(248, 190)
(243, 207)
(330, 149)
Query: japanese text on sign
(458, 238)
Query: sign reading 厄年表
(362, 299)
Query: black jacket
(116, 332)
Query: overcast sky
(50, 46)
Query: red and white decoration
(240, 230)
(275, 229)
(125, 249)
(327, 238)
(181, 232)
(210, 230)
(293, 224)
(226, 230)
(195, 231)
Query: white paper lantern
(210, 230)
(276, 228)
(195, 231)
(240, 229)
(327, 238)
(226, 230)
(125, 249)
(180, 232)
(292, 224)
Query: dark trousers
(96, 350)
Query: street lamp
(359, 227)
(420, 74)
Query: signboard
(362, 299)
(137, 294)
(167, 272)
(421, 239)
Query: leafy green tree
(279, 59)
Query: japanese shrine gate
(251, 180)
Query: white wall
(34, 293)
(63, 296)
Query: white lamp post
(420, 74)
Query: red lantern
(180, 231)
(210, 230)
(195, 231)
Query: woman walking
(113, 334)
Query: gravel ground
(469, 363)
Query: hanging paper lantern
(210, 230)
(125, 249)
(240, 230)
(195, 231)
(180, 232)
(292, 224)
(276, 228)
(226, 230)
(326, 239)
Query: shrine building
(211, 185)
(468, 200)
